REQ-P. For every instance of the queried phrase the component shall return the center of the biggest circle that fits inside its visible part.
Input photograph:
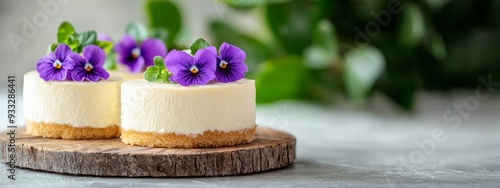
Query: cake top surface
(157, 85)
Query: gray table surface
(343, 147)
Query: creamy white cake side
(79, 104)
(171, 108)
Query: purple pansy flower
(89, 67)
(230, 63)
(56, 65)
(138, 57)
(103, 37)
(191, 70)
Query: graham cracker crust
(173, 140)
(68, 132)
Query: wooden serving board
(271, 149)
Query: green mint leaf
(151, 74)
(156, 9)
(65, 30)
(159, 33)
(87, 38)
(163, 76)
(157, 72)
(159, 62)
(107, 46)
(197, 45)
(110, 63)
(52, 48)
(72, 41)
(137, 31)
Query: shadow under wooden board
(271, 149)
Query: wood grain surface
(271, 149)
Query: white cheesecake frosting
(79, 104)
(171, 108)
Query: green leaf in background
(401, 89)
(164, 14)
(280, 79)
(255, 50)
(137, 31)
(107, 46)
(110, 63)
(65, 30)
(412, 26)
(72, 41)
(434, 44)
(85, 38)
(52, 47)
(363, 66)
(198, 44)
(157, 72)
(292, 22)
(437, 4)
(159, 33)
(325, 50)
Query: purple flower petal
(124, 52)
(150, 48)
(175, 61)
(185, 77)
(103, 37)
(94, 72)
(125, 46)
(45, 67)
(212, 49)
(62, 51)
(137, 65)
(60, 74)
(77, 59)
(47, 71)
(231, 73)
(101, 72)
(78, 73)
(94, 55)
(234, 68)
(205, 58)
(232, 54)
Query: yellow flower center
(88, 67)
(136, 52)
(223, 64)
(194, 69)
(57, 64)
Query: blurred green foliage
(323, 48)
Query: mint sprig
(158, 72)
(198, 44)
(66, 34)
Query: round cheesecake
(72, 110)
(173, 116)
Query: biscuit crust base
(173, 140)
(68, 132)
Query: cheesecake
(173, 116)
(70, 109)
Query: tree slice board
(271, 149)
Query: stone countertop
(352, 148)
